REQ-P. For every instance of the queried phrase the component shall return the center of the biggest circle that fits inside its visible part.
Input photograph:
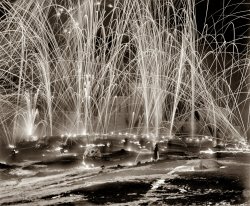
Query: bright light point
(81, 146)
(76, 24)
(134, 136)
(119, 133)
(58, 14)
(29, 130)
(110, 5)
(130, 164)
(62, 135)
(84, 132)
(208, 151)
(58, 149)
(12, 146)
(65, 151)
(43, 155)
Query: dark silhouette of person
(156, 152)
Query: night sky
(219, 15)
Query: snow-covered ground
(166, 182)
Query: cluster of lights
(57, 149)
(104, 134)
(123, 134)
(197, 140)
(73, 135)
(167, 137)
(96, 145)
(147, 136)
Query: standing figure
(156, 152)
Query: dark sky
(219, 16)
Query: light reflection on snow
(208, 151)
(157, 184)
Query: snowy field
(166, 182)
